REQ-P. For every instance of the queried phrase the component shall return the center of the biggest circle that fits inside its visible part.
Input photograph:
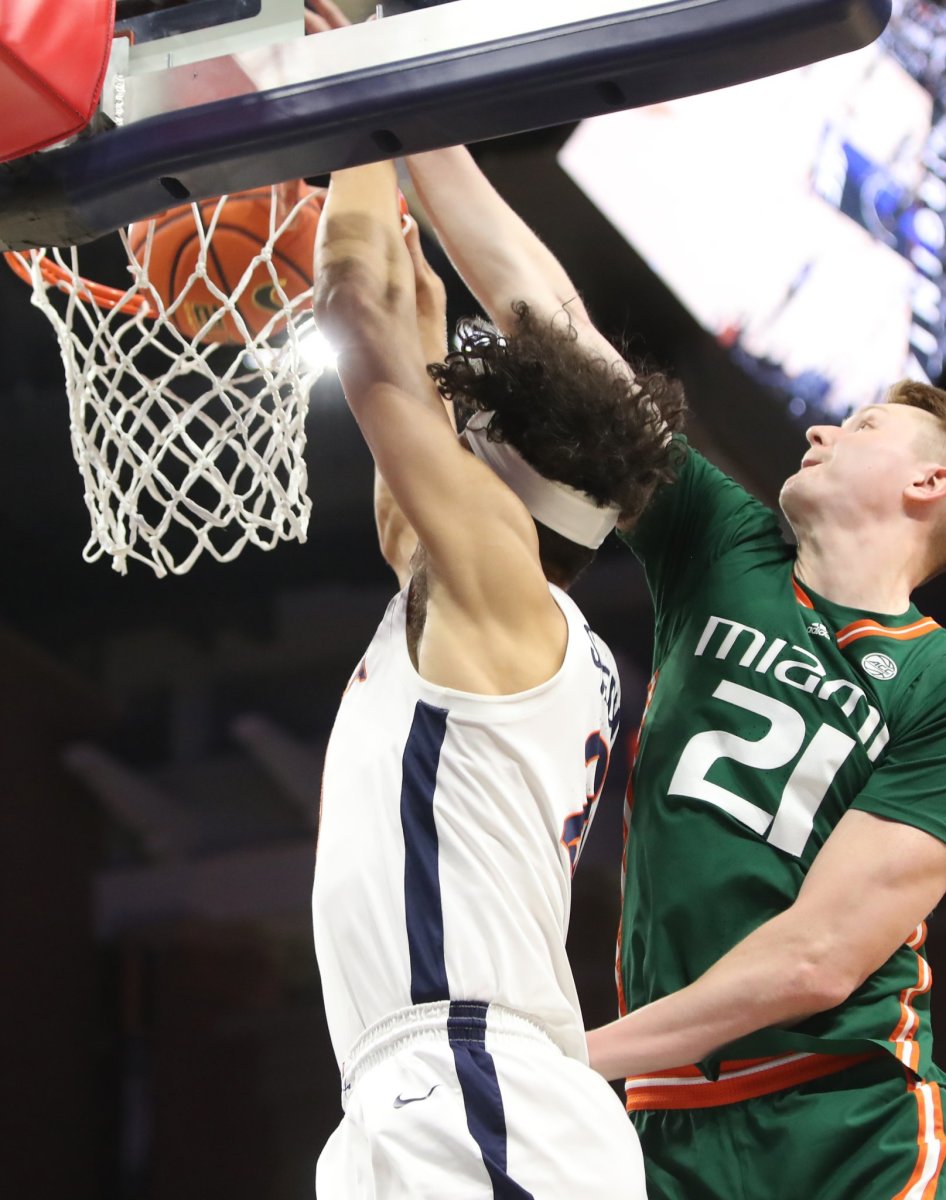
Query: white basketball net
(184, 446)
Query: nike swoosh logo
(400, 1101)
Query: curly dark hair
(572, 415)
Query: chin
(792, 496)
(789, 485)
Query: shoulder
(922, 672)
(589, 661)
(912, 674)
(696, 523)
(701, 497)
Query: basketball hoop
(187, 441)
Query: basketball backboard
(214, 96)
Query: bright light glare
(306, 354)
(316, 352)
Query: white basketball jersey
(450, 825)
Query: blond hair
(933, 401)
(920, 395)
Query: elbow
(340, 291)
(816, 982)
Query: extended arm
(872, 883)
(495, 252)
(397, 539)
(365, 303)
(484, 572)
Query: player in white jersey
(468, 754)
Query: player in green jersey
(787, 833)
(787, 826)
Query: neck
(874, 573)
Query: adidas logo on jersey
(818, 630)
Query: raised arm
(495, 252)
(396, 537)
(485, 579)
(871, 885)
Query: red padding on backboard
(53, 55)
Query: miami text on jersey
(807, 674)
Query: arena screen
(800, 218)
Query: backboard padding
(620, 56)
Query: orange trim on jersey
(917, 937)
(629, 789)
(740, 1079)
(931, 1144)
(633, 748)
(800, 595)
(904, 1035)
(623, 1008)
(618, 979)
(868, 628)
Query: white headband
(573, 514)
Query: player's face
(861, 469)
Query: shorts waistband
(450, 1021)
(742, 1079)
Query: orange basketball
(242, 228)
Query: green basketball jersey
(772, 712)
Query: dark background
(161, 740)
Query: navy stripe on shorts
(466, 1023)
(482, 1098)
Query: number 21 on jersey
(807, 786)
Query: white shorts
(467, 1101)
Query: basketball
(241, 230)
